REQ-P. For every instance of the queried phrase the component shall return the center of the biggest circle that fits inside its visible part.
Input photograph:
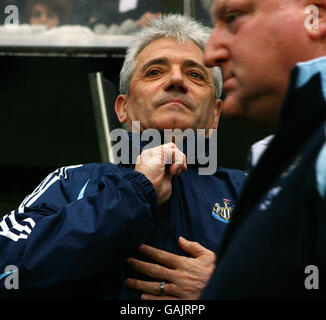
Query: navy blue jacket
(71, 236)
(276, 243)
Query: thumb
(193, 248)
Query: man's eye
(231, 17)
(195, 74)
(153, 73)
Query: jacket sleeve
(52, 237)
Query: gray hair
(173, 26)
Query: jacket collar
(303, 111)
(304, 107)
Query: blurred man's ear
(218, 111)
(121, 107)
(315, 22)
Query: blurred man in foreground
(272, 56)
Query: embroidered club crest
(223, 213)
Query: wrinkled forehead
(220, 4)
(167, 51)
(167, 47)
(222, 7)
(164, 39)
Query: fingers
(164, 154)
(153, 297)
(160, 256)
(144, 286)
(193, 248)
(177, 167)
(178, 157)
(175, 157)
(196, 250)
(152, 270)
(151, 287)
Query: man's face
(256, 43)
(42, 15)
(170, 88)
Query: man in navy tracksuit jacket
(192, 212)
(275, 245)
(70, 238)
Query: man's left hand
(186, 277)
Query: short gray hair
(173, 26)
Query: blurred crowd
(89, 13)
(102, 16)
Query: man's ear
(315, 22)
(218, 111)
(121, 107)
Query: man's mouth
(228, 83)
(175, 101)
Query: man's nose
(215, 52)
(176, 81)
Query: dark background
(47, 121)
(46, 113)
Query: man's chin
(172, 124)
(232, 108)
(252, 112)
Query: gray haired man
(83, 222)
(165, 85)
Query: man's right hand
(153, 163)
